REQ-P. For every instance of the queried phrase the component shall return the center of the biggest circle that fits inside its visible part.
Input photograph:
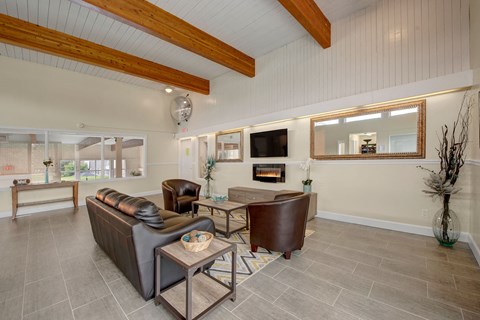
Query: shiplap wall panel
(389, 44)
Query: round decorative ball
(181, 109)
(196, 241)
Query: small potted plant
(307, 183)
(47, 164)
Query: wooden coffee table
(224, 225)
(199, 293)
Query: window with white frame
(83, 157)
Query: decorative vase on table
(46, 175)
(307, 188)
(446, 225)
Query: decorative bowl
(202, 240)
(219, 198)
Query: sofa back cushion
(102, 193)
(114, 198)
(143, 210)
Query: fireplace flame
(269, 172)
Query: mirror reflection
(394, 131)
(229, 146)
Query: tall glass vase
(46, 175)
(208, 190)
(446, 225)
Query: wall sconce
(168, 89)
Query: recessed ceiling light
(168, 90)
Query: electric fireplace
(269, 172)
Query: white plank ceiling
(255, 27)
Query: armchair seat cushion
(178, 194)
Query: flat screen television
(269, 144)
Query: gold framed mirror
(229, 146)
(383, 132)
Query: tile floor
(51, 268)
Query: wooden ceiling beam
(27, 35)
(151, 19)
(309, 15)
(87, 142)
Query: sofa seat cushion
(167, 214)
(143, 210)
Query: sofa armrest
(146, 239)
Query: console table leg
(14, 203)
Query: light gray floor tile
(44, 293)
(299, 263)
(419, 272)
(151, 312)
(105, 308)
(467, 315)
(11, 309)
(467, 285)
(310, 285)
(242, 295)
(59, 311)
(354, 255)
(273, 268)
(306, 307)
(11, 285)
(108, 270)
(42, 265)
(126, 295)
(330, 260)
(78, 265)
(456, 269)
(366, 308)
(417, 305)
(393, 279)
(256, 308)
(403, 274)
(264, 286)
(220, 313)
(341, 278)
(86, 288)
(455, 297)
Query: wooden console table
(42, 186)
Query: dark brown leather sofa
(128, 229)
(279, 225)
(178, 195)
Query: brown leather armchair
(178, 195)
(279, 225)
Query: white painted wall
(37, 96)
(474, 168)
(390, 44)
(394, 49)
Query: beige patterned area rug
(248, 262)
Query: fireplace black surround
(269, 172)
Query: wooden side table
(42, 186)
(181, 300)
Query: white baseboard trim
(474, 247)
(147, 193)
(384, 224)
(26, 211)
